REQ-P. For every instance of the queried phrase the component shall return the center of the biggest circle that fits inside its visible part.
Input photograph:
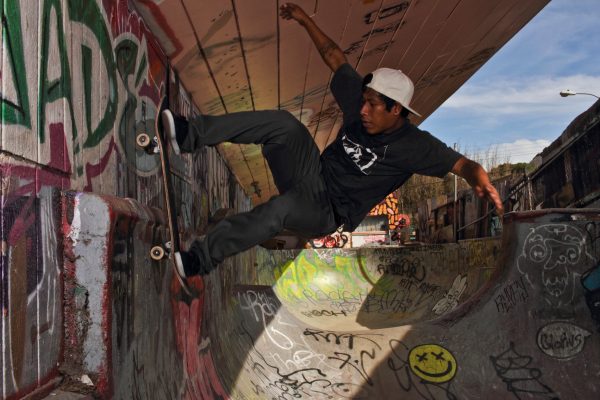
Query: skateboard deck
(158, 145)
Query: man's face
(375, 118)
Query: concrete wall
(128, 323)
(79, 79)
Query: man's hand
(331, 53)
(479, 180)
(293, 11)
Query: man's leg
(304, 209)
(294, 161)
(287, 144)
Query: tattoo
(327, 48)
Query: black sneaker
(187, 264)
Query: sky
(511, 109)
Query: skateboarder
(376, 151)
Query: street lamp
(568, 92)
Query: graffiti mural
(549, 257)
(450, 300)
(520, 375)
(30, 286)
(79, 80)
(389, 207)
(562, 340)
(96, 77)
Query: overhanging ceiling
(238, 55)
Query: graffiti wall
(79, 79)
(425, 323)
(374, 288)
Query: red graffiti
(94, 170)
(123, 20)
(202, 381)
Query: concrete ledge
(95, 230)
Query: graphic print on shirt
(362, 156)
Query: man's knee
(276, 211)
(289, 125)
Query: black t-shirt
(361, 169)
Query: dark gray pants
(302, 206)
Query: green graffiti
(86, 66)
(15, 113)
(60, 61)
(126, 55)
(55, 78)
(89, 14)
(131, 63)
(52, 90)
(311, 276)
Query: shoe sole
(181, 277)
(168, 123)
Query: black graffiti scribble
(357, 363)
(382, 30)
(435, 77)
(293, 383)
(341, 298)
(411, 268)
(340, 337)
(296, 383)
(323, 313)
(398, 363)
(348, 340)
(513, 293)
(409, 295)
(520, 378)
(387, 12)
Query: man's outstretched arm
(479, 180)
(331, 53)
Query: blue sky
(511, 106)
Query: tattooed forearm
(328, 48)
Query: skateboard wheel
(157, 253)
(143, 140)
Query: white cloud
(512, 103)
(531, 95)
(521, 150)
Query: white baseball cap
(394, 84)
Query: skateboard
(158, 145)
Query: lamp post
(568, 92)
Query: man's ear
(397, 109)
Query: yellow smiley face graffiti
(432, 363)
